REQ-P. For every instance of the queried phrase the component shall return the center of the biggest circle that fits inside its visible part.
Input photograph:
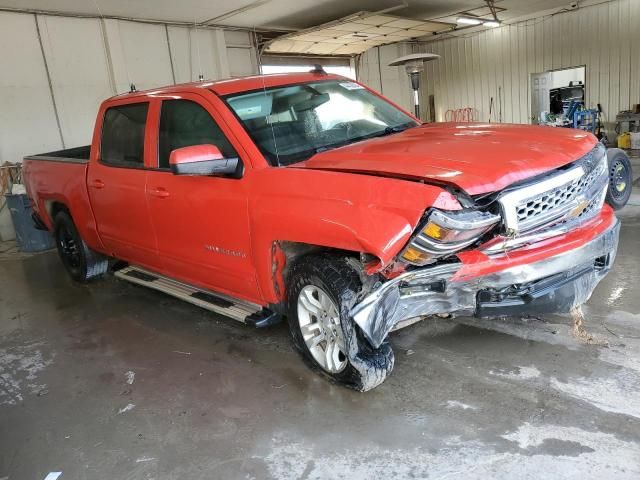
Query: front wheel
(321, 290)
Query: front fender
(359, 213)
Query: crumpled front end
(555, 283)
(558, 242)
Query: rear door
(116, 182)
(202, 222)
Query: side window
(122, 141)
(184, 123)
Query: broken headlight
(446, 233)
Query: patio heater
(414, 66)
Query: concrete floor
(116, 381)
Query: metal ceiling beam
(237, 11)
(54, 13)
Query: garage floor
(112, 380)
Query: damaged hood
(478, 158)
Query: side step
(245, 312)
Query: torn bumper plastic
(556, 283)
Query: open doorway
(555, 92)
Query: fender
(67, 188)
(363, 214)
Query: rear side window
(184, 123)
(123, 135)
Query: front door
(117, 186)
(201, 222)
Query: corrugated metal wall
(605, 38)
(56, 71)
(372, 69)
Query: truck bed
(72, 155)
(61, 178)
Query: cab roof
(238, 85)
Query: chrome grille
(574, 193)
(551, 203)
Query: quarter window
(184, 123)
(123, 135)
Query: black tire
(367, 367)
(620, 178)
(82, 263)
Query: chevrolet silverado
(313, 198)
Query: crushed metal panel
(440, 289)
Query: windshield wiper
(396, 129)
(380, 133)
(386, 131)
(324, 148)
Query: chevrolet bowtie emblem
(579, 208)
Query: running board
(245, 312)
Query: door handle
(97, 184)
(159, 192)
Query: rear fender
(81, 215)
(60, 183)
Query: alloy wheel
(319, 321)
(69, 247)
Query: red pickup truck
(311, 197)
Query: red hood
(479, 158)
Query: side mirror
(202, 160)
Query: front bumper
(556, 283)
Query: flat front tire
(321, 290)
(81, 262)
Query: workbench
(632, 119)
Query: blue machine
(582, 118)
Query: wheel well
(285, 254)
(294, 250)
(54, 208)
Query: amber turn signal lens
(414, 255)
(434, 231)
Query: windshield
(289, 124)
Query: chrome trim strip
(471, 220)
(433, 246)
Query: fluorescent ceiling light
(491, 23)
(468, 21)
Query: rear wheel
(620, 178)
(79, 260)
(321, 290)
